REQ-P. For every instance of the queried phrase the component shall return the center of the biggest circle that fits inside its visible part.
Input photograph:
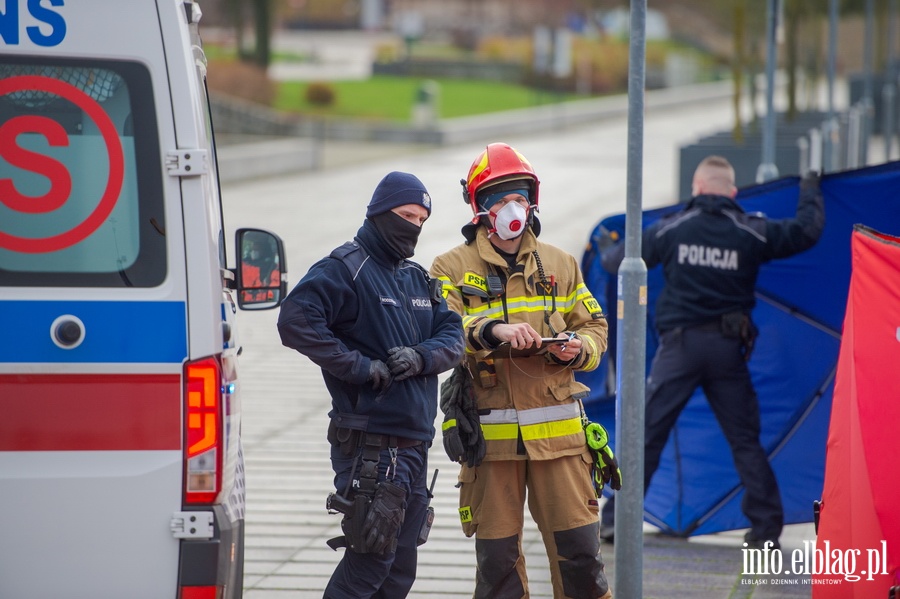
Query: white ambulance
(121, 472)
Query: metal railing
(842, 142)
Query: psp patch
(592, 305)
(475, 281)
(465, 514)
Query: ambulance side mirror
(261, 271)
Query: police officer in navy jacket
(381, 332)
(711, 253)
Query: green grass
(221, 52)
(392, 98)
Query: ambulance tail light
(203, 438)
(201, 593)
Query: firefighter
(514, 292)
(376, 324)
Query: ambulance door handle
(67, 331)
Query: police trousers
(563, 503)
(703, 357)
(390, 576)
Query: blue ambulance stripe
(150, 332)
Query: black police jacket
(341, 320)
(711, 253)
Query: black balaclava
(397, 189)
(399, 235)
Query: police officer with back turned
(375, 322)
(711, 253)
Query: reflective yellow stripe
(537, 423)
(446, 286)
(500, 417)
(553, 413)
(495, 310)
(550, 430)
(500, 432)
(532, 303)
(539, 303)
(595, 354)
(468, 320)
(448, 424)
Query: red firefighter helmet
(497, 164)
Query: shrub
(509, 49)
(320, 94)
(242, 80)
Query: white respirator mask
(510, 221)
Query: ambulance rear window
(81, 202)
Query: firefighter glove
(379, 375)
(463, 438)
(609, 471)
(404, 362)
(476, 448)
(606, 467)
(451, 391)
(453, 441)
(385, 518)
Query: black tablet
(505, 350)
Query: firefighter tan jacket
(529, 406)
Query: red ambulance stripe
(90, 412)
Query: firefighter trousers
(563, 503)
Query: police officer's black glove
(385, 518)
(379, 375)
(404, 362)
(811, 180)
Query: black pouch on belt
(732, 323)
(737, 325)
(344, 430)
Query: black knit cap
(398, 189)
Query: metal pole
(767, 169)
(868, 102)
(632, 337)
(887, 106)
(868, 50)
(889, 90)
(815, 150)
(804, 151)
(829, 129)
